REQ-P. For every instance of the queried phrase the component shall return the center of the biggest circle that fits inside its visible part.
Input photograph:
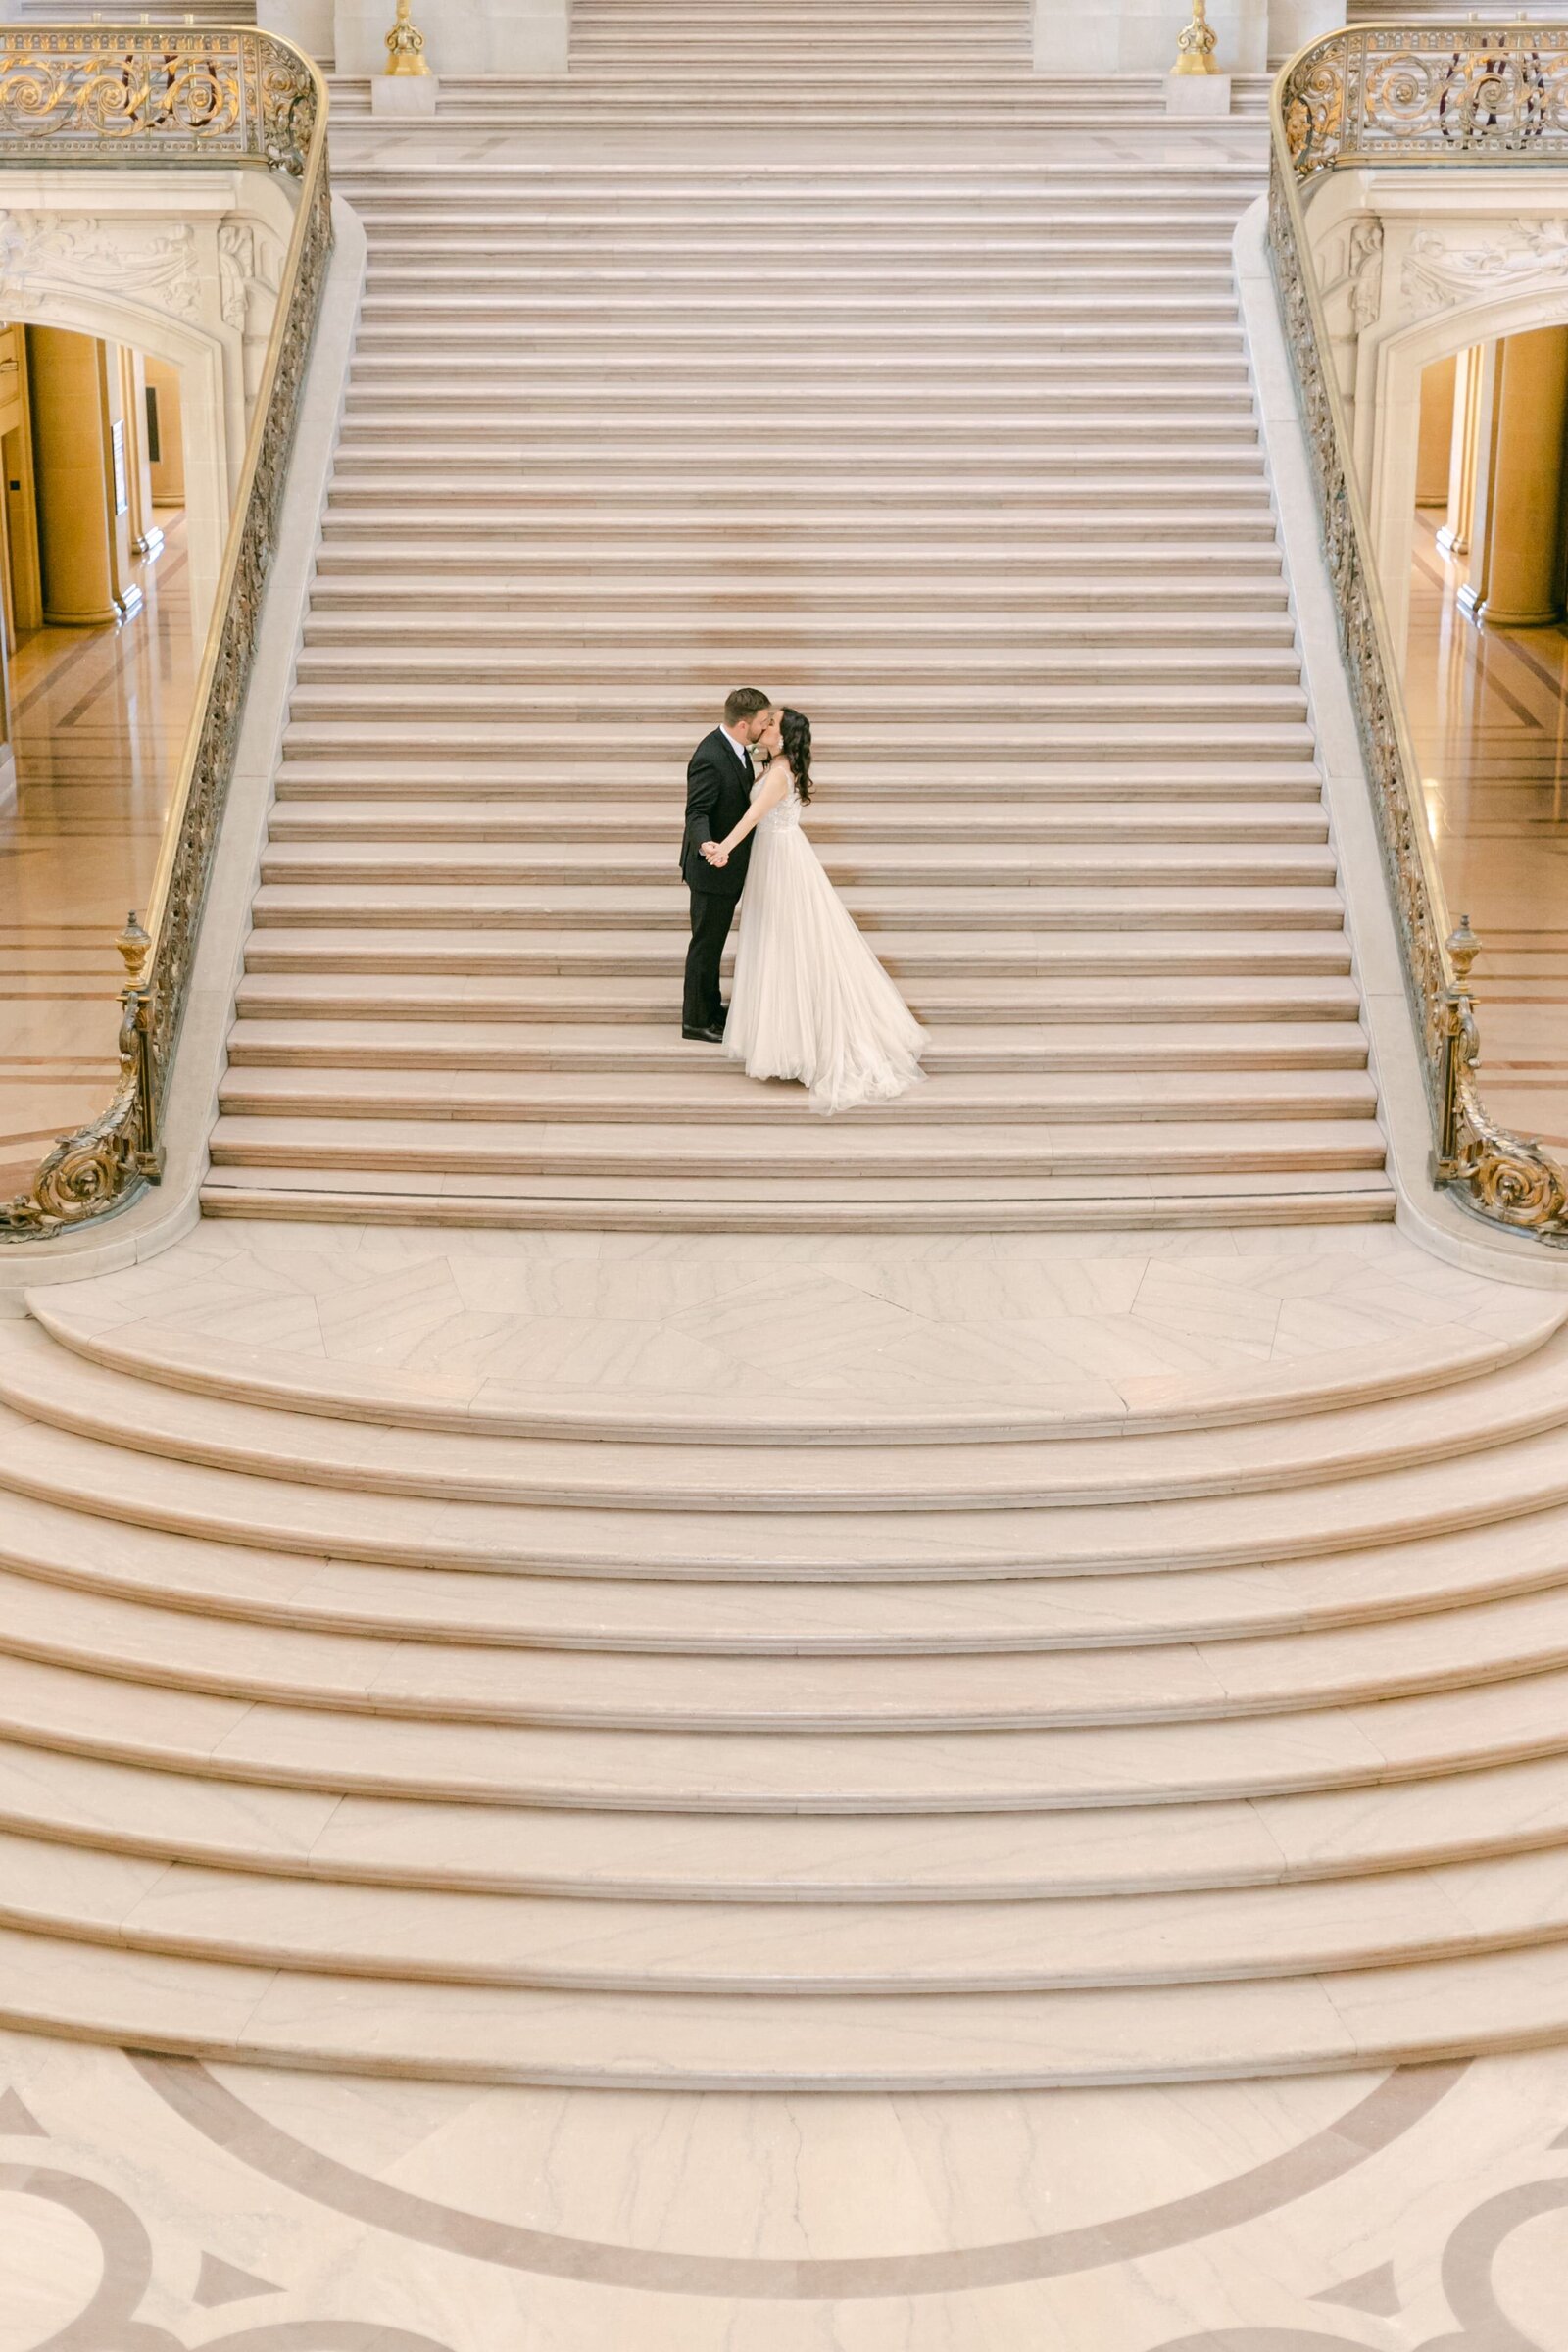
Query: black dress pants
(712, 912)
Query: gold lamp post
(1196, 43)
(406, 44)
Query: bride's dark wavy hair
(795, 731)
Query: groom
(719, 787)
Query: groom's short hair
(745, 703)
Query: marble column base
(411, 96)
(1192, 95)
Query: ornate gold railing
(1481, 92)
(96, 95)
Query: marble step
(1108, 735)
(1276, 951)
(867, 107)
(517, 486)
(345, 825)
(575, 364)
(881, 1695)
(1480, 1477)
(930, 401)
(1397, 1589)
(536, 306)
(773, 1858)
(1514, 1402)
(552, 246)
(1141, 786)
(1052, 1012)
(1162, 898)
(875, 191)
(666, 337)
(827, 376)
(1057, 1202)
(664, 1163)
(1175, 418)
(571, 761)
(1378, 2017)
(1153, 230)
(609, 864)
(349, 824)
(876, 200)
(846, 566)
(457, 1045)
(544, 1944)
(369, 447)
(1192, 245)
(672, 272)
(675, 676)
(959, 716)
(860, 643)
(888, 533)
(761, 1773)
(704, 1091)
(853, 610)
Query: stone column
(1523, 585)
(1435, 441)
(1463, 451)
(71, 444)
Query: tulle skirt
(809, 999)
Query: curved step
(875, 1694)
(774, 1618)
(216, 2010)
(56, 1466)
(167, 1815)
(744, 1772)
(1052, 1471)
(544, 1944)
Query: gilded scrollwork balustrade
(97, 94)
(1475, 91)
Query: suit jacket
(718, 790)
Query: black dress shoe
(706, 1037)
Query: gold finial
(406, 44)
(133, 944)
(1196, 43)
(1463, 949)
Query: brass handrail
(95, 94)
(1476, 92)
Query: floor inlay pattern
(161, 2205)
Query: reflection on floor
(98, 719)
(1490, 711)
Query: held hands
(715, 852)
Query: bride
(809, 999)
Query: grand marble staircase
(373, 1722)
(961, 458)
(760, 73)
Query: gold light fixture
(406, 44)
(1196, 43)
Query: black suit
(718, 790)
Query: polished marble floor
(1490, 712)
(99, 716)
(163, 2204)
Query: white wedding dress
(809, 999)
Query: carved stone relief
(155, 263)
(1366, 274)
(1440, 271)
